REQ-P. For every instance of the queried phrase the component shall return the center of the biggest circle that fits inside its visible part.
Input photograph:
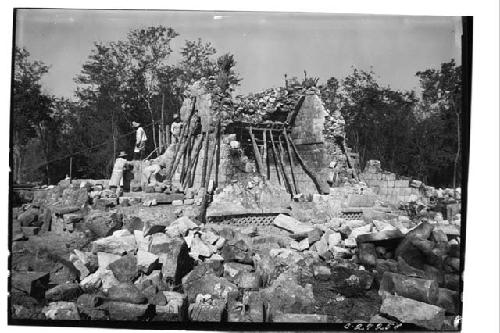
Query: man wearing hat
(140, 141)
(116, 180)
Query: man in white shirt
(140, 141)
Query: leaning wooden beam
(291, 159)
(281, 167)
(210, 165)
(257, 154)
(275, 157)
(178, 157)
(185, 134)
(304, 166)
(194, 155)
(264, 154)
(291, 189)
(192, 172)
(205, 158)
(185, 128)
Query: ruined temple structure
(285, 144)
(291, 230)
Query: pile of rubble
(182, 271)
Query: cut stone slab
(340, 252)
(408, 310)
(30, 231)
(232, 269)
(367, 254)
(299, 318)
(126, 292)
(334, 239)
(448, 229)
(203, 312)
(314, 235)
(125, 269)
(143, 243)
(300, 246)
(360, 231)
(161, 243)
(199, 248)
(236, 251)
(411, 287)
(248, 280)
(61, 311)
(175, 259)
(383, 226)
(378, 319)
(63, 292)
(104, 259)
(168, 312)
(99, 279)
(182, 225)
(116, 245)
(448, 300)
(128, 311)
(292, 225)
(322, 272)
(285, 295)
(209, 237)
(146, 261)
(33, 283)
(380, 236)
(103, 224)
(201, 281)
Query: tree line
(134, 80)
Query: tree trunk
(457, 155)
(217, 157)
(153, 124)
(162, 125)
(113, 131)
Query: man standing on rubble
(116, 181)
(140, 141)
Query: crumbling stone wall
(387, 185)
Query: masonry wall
(389, 188)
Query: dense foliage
(411, 136)
(134, 80)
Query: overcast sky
(265, 45)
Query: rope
(81, 151)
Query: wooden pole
(256, 152)
(304, 166)
(217, 158)
(191, 154)
(181, 145)
(192, 173)
(205, 159)
(290, 158)
(210, 166)
(282, 166)
(70, 167)
(264, 153)
(275, 157)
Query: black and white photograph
(205, 169)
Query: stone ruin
(362, 247)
